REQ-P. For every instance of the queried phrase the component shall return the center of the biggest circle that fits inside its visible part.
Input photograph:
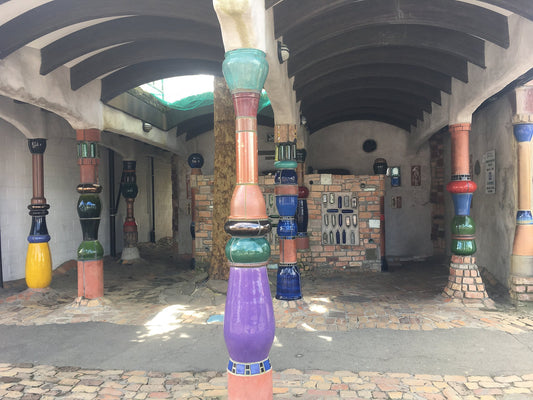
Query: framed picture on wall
(416, 175)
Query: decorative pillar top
(523, 132)
(245, 70)
(37, 146)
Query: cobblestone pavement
(46, 382)
(407, 298)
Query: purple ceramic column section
(249, 316)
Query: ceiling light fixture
(283, 52)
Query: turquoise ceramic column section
(249, 316)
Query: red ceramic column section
(90, 251)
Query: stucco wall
(494, 214)
(408, 229)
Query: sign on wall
(489, 158)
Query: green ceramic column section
(89, 208)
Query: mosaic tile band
(256, 368)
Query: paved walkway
(161, 296)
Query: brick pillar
(38, 259)
(90, 251)
(196, 161)
(464, 280)
(249, 324)
(129, 189)
(286, 190)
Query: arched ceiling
(383, 60)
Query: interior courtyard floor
(158, 334)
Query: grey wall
(408, 229)
(494, 214)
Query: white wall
(61, 176)
(408, 229)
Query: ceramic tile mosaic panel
(340, 219)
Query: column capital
(245, 70)
(88, 135)
(462, 127)
(37, 146)
(523, 132)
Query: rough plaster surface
(408, 229)
(495, 214)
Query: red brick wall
(365, 256)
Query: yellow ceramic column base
(38, 266)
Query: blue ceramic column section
(286, 190)
(249, 323)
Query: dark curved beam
(58, 14)
(360, 116)
(446, 41)
(300, 26)
(520, 7)
(398, 96)
(409, 72)
(434, 60)
(122, 30)
(138, 52)
(138, 74)
(413, 88)
(338, 105)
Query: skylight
(170, 90)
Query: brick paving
(46, 382)
(408, 298)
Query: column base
(246, 387)
(38, 266)
(129, 254)
(521, 278)
(91, 279)
(464, 281)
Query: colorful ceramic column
(286, 190)
(521, 277)
(249, 316)
(302, 212)
(129, 189)
(464, 280)
(196, 161)
(90, 251)
(38, 260)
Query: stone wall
(365, 256)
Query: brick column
(90, 251)
(286, 190)
(38, 259)
(521, 276)
(129, 189)
(196, 161)
(464, 280)
(249, 316)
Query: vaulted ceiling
(383, 60)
